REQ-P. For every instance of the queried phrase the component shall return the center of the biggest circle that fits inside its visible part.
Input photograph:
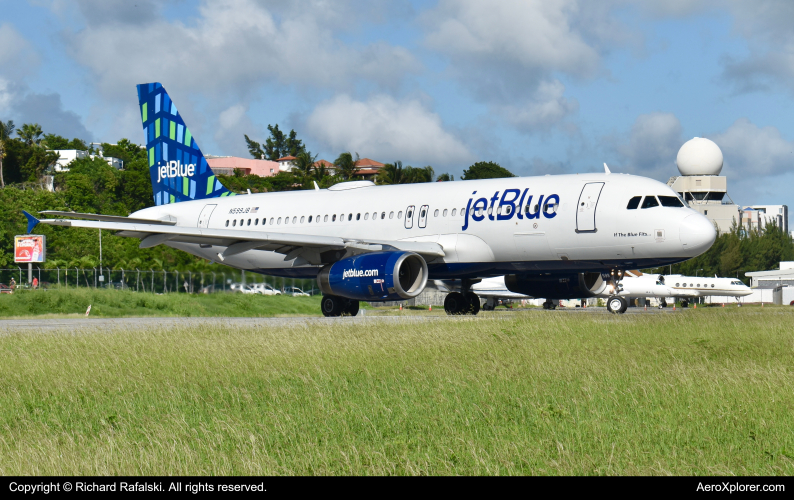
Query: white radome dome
(699, 156)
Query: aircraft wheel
(351, 308)
(617, 305)
(455, 303)
(473, 303)
(332, 305)
(662, 304)
(684, 303)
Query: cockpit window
(634, 203)
(650, 202)
(670, 201)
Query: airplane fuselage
(486, 227)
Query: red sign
(29, 248)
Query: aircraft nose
(697, 234)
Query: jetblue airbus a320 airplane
(561, 236)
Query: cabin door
(586, 207)
(423, 213)
(204, 216)
(409, 217)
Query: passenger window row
(654, 201)
(333, 218)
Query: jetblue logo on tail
(178, 170)
(175, 169)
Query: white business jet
(638, 285)
(562, 236)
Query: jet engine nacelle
(557, 286)
(375, 276)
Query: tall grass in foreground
(542, 393)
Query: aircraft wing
(307, 247)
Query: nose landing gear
(617, 305)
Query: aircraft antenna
(316, 187)
(606, 169)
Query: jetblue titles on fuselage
(506, 208)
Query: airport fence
(147, 280)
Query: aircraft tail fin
(178, 170)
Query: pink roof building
(227, 164)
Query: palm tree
(392, 173)
(346, 165)
(30, 133)
(304, 166)
(6, 129)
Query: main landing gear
(463, 302)
(459, 303)
(333, 306)
(662, 304)
(549, 304)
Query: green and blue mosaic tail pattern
(178, 169)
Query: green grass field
(699, 392)
(118, 303)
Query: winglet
(316, 187)
(606, 169)
(32, 221)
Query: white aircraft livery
(561, 236)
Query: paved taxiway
(110, 324)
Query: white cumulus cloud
(510, 53)
(753, 151)
(233, 45)
(386, 129)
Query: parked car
(295, 291)
(265, 289)
(240, 288)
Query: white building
(67, 156)
(764, 214)
(774, 278)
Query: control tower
(700, 162)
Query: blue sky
(551, 86)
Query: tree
(6, 129)
(486, 170)
(445, 177)
(391, 173)
(304, 167)
(254, 148)
(394, 173)
(125, 150)
(346, 165)
(30, 133)
(424, 174)
(54, 141)
(278, 145)
(39, 161)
